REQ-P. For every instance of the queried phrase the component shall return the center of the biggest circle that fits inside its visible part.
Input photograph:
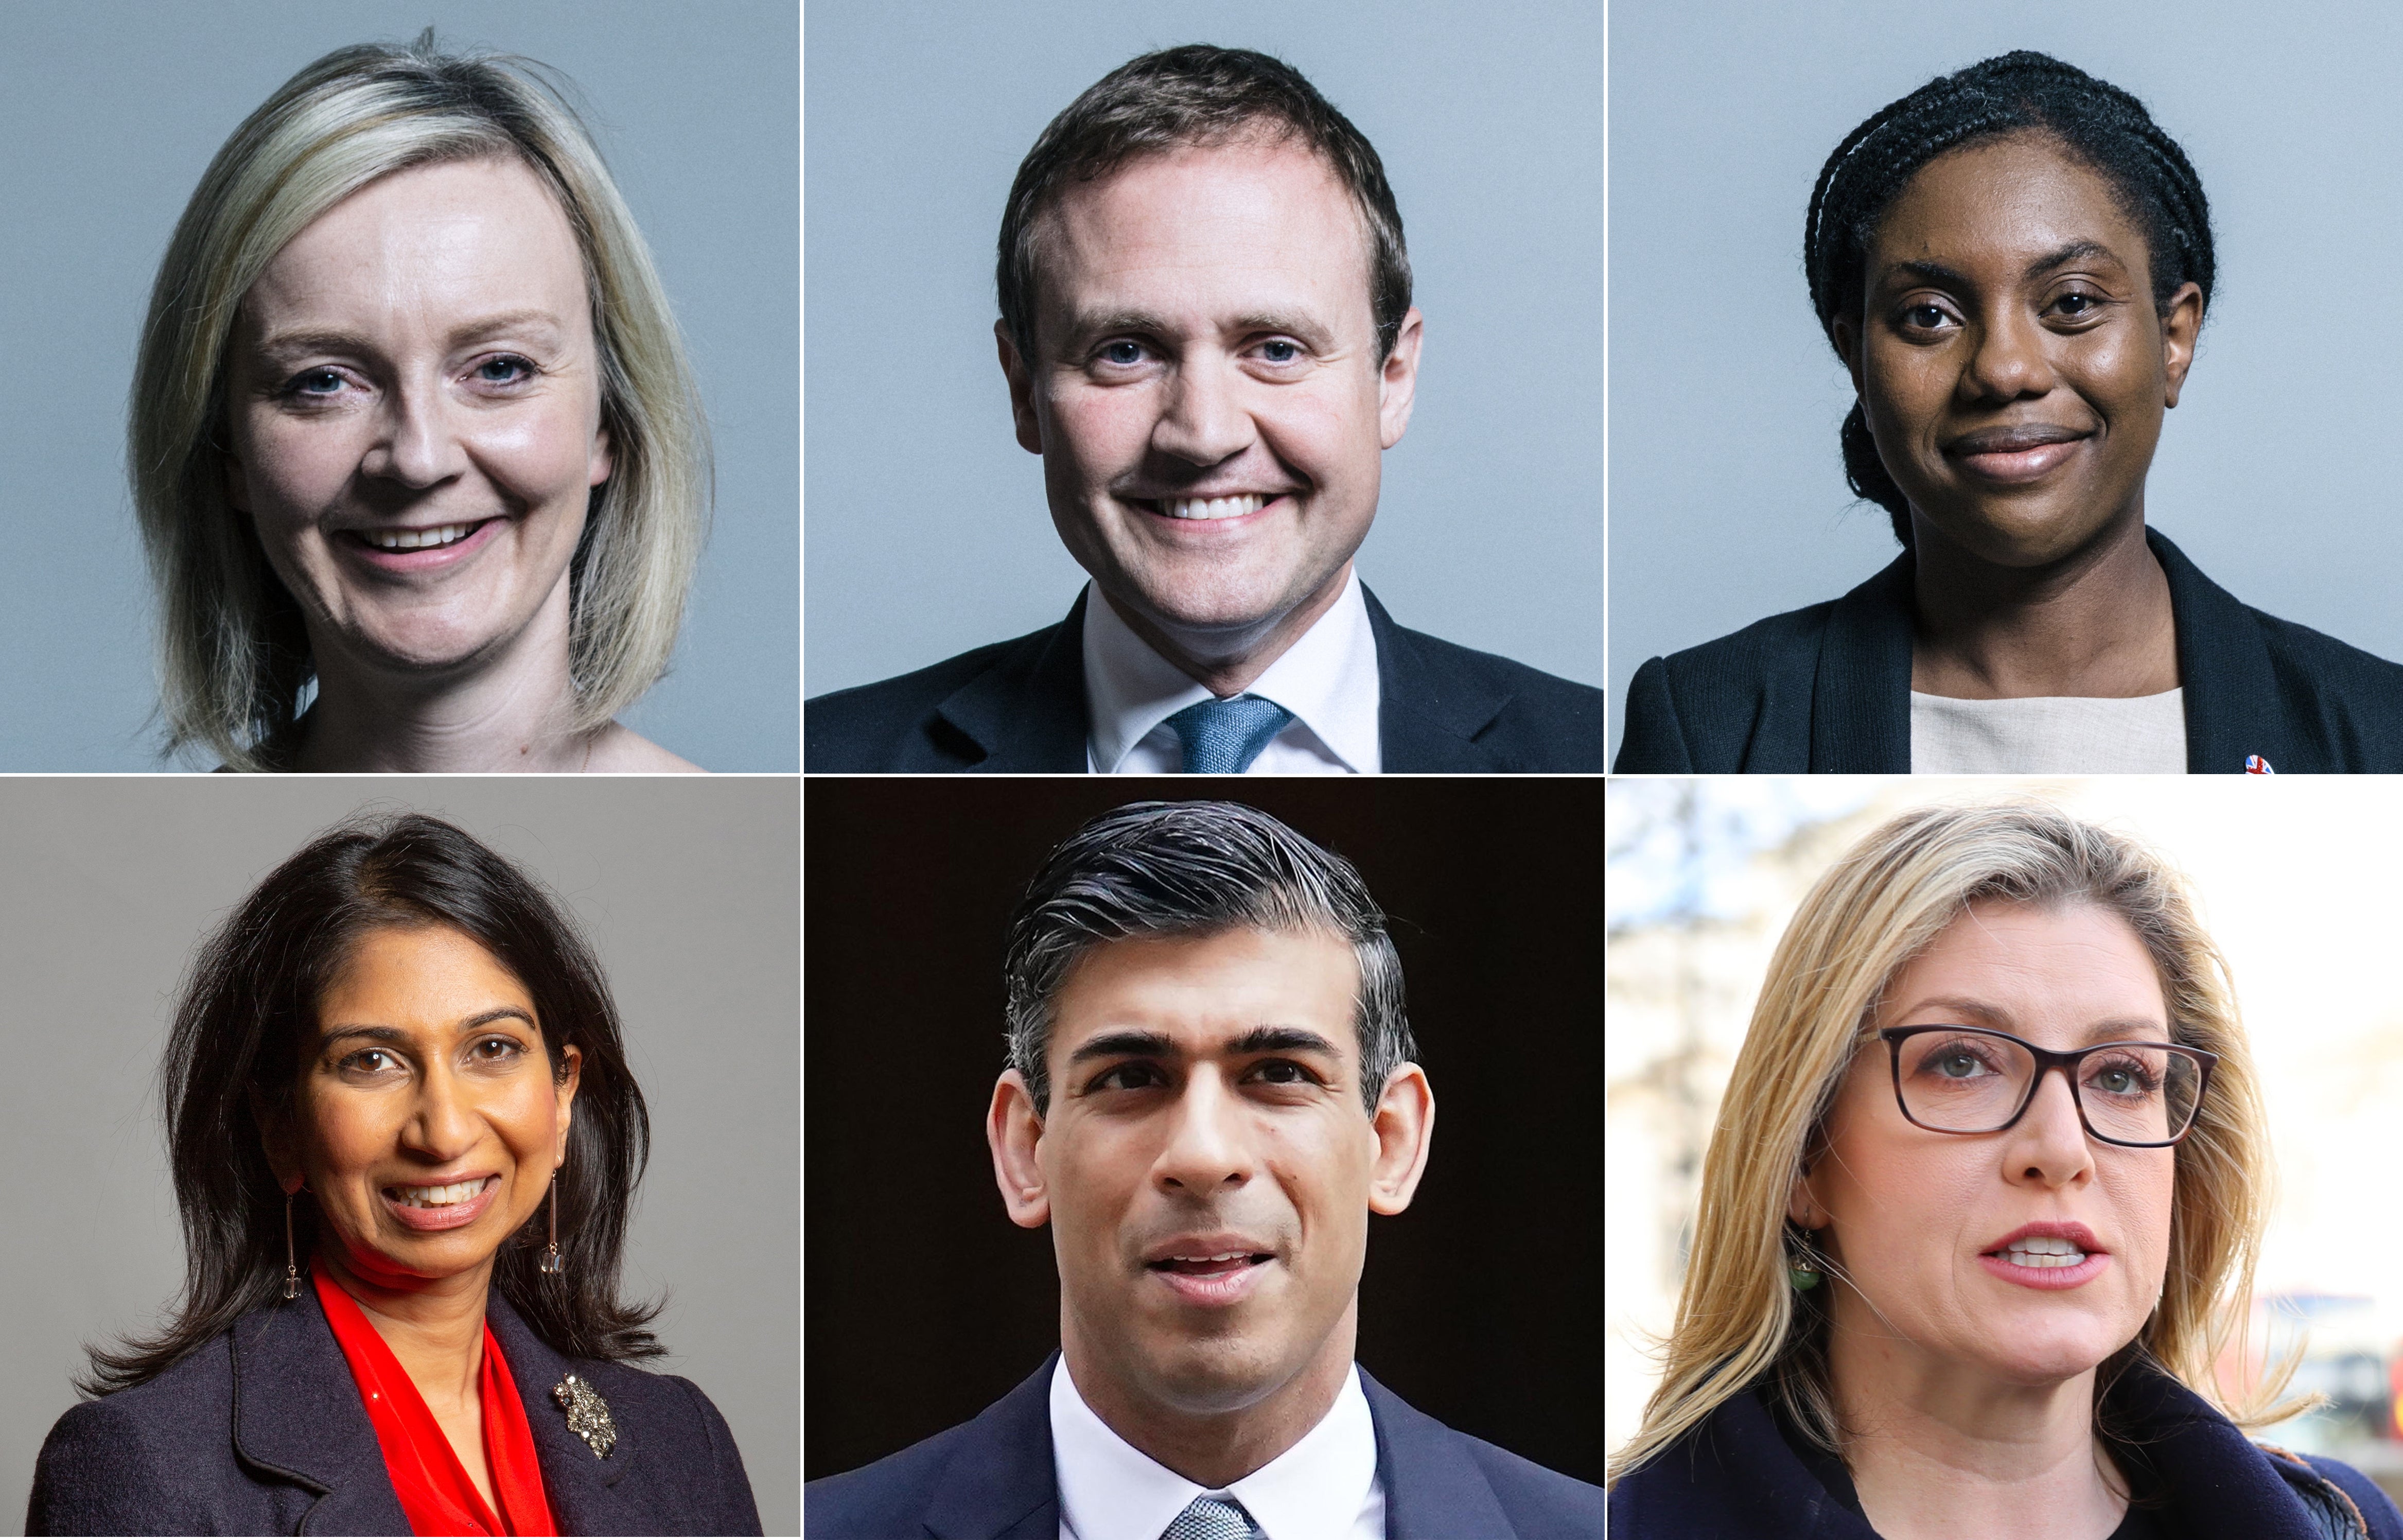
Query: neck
(2096, 622)
(1937, 1450)
(1213, 1445)
(433, 1326)
(507, 710)
(1228, 662)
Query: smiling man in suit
(1207, 331)
(1210, 1090)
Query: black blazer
(1828, 689)
(991, 1479)
(261, 1432)
(1021, 706)
(1737, 1477)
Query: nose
(416, 443)
(441, 1125)
(2009, 362)
(2048, 1143)
(1203, 421)
(1205, 1151)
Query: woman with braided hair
(2013, 262)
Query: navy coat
(1018, 706)
(261, 1431)
(1827, 689)
(1737, 1477)
(992, 1478)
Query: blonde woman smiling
(1978, 1216)
(418, 458)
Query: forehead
(427, 245)
(1201, 989)
(2006, 201)
(2048, 970)
(1252, 223)
(416, 976)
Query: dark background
(923, 1303)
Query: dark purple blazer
(991, 1478)
(260, 1431)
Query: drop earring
(551, 1263)
(291, 1267)
(1803, 1269)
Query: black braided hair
(2017, 92)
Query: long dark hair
(251, 1002)
(2103, 126)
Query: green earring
(1800, 1268)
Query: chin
(1215, 1375)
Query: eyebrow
(1133, 1044)
(1937, 272)
(1083, 329)
(285, 344)
(2114, 1029)
(394, 1035)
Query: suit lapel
(1000, 1484)
(2224, 669)
(296, 1414)
(578, 1484)
(1432, 1490)
(1428, 714)
(1027, 712)
(1860, 698)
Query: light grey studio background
(110, 110)
(689, 892)
(928, 531)
(2279, 470)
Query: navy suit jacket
(991, 1479)
(261, 1431)
(1020, 706)
(1828, 689)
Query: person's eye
(1126, 1077)
(2119, 1078)
(1923, 317)
(370, 1061)
(493, 1051)
(1282, 1072)
(2077, 306)
(504, 369)
(1279, 350)
(312, 385)
(1960, 1064)
(1122, 354)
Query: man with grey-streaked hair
(1210, 1088)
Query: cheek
(295, 468)
(1101, 432)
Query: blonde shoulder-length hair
(1739, 1322)
(234, 657)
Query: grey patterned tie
(1211, 1519)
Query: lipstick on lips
(1209, 1269)
(446, 1204)
(2013, 454)
(2050, 1253)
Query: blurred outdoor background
(2297, 880)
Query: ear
(1014, 1130)
(1397, 380)
(563, 1088)
(2180, 325)
(1021, 376)
(604, 459)
(1802, 1204)
(1846, 334)
(1404, 1124)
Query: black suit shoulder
(150, 1460)
(1545, 725)
(886, 1498)
(894, 724)
(1702, 711)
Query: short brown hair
(1189, 97)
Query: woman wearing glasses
(1938, 1288)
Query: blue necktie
(1224, 737)
(1211, 1519)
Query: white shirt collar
(1328, 679)
(1323, 1488)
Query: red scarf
(437, 1494)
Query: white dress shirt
(1323, 1488)
(2050, 735)
(1328, 679)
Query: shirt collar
(1328, 679)
(1109, 1490)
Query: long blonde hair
(234, 657)
(1737, 1324)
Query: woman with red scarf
(404, 1139)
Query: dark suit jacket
(1738, 1476)
(1828, 689)
(1021, 706)
(991, 1479)
(261, 1432)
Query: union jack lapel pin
(2255, 765)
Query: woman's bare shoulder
(622, 751)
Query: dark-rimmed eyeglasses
(1954, 1079)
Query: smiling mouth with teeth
(425, 539)
(1210, 1267)
(439, 1197)
(1211, 508)
(2042, 1251)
